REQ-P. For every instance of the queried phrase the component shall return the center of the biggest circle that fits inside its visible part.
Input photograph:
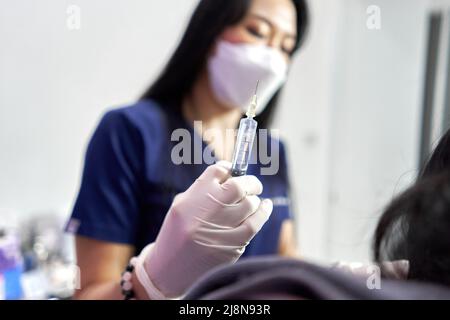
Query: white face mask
(235, 69)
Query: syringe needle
(251, 112)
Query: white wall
(350, 112)
(376, 119)
(352, 119)
(56, 82)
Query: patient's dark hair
(208, 22)
(440, 158)
(416, 227)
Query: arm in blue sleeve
(108, 204)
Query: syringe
(245, 139)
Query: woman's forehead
(280, 13)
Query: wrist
(135, 282)
(139, 290)
(142, 275)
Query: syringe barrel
(243, 148)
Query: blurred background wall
(356, 101)
(351, 113)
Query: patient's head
(416, 227)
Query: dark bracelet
(125, 282)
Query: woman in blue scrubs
(130, 179)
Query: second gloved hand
(209, 224)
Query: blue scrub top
(129, 180)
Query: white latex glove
(208, 225)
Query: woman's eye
(255, 32)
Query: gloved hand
(208, 225)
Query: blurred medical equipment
(11, 265)
(208, 225)
(245, 139)
(49, 271)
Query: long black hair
(209, 20)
